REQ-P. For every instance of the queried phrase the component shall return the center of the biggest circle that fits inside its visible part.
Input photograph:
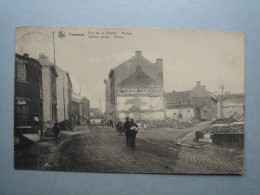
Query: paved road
(100, 149)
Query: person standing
(56, 129)
(133, 132)
(127, 130)
(119, 127)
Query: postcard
(122, 100)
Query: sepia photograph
(125, 100)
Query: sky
(212, 57)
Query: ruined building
(136, 89)
(195, 105)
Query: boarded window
(22, 106)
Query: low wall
(228, 139)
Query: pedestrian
(133, 132)
(119, 127)
(127, 130)
(56, 129)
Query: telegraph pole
(53, 41)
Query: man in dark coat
(133, 132)
(56, 129)
(127, 130)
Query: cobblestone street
(100, 149)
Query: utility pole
(221, 104)
(53, 41)
(100, 106)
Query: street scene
(87, 101)
(100, 149)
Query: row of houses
(135, 89)
(43, 94)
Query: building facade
(136, 89)
(76, 109)
(95, 113)
(85, 110)
(64, 90)
(49, 75)
(108, 114)
(28, 100)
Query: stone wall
(182, 114)
(234, 107)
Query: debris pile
(224, 121)
(171, 123)
(232, 129)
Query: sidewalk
(189, 139)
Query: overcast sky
(211, 57)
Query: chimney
(198, 83)
(26, 55)
(138, 68)
(159, 62)
(138, 53)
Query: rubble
(231, 129)
(224, 121)
(170, 123)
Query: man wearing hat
(127, 130)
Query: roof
(182, 97)
(124, 70)
(138, 79)
(26, 58)
(231, 96)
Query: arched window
(179, 116)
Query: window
(21, 71)
(22, 106)
(188, 110)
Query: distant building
(64, 94)
(95, 113)
(108, 114)
(136, 89)
(85, 110)
(49, 75)
(28, 99)
(232, 105)
(193, 106)
(76, 108)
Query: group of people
(130, 128)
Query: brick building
(193, 105)
(49, 75)
(64, 96)
(28, 100)
(136, 89)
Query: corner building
(136, 89)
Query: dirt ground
(100, 149)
